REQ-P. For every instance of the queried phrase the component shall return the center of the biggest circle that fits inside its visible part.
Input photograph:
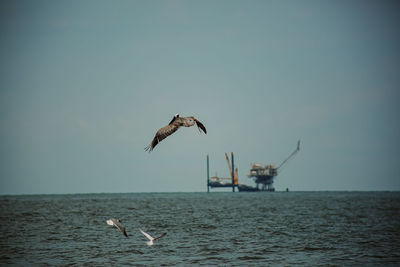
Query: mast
(208, 174)
(233, 176)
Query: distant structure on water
(262, 176)
(216, 181)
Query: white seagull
(117, 223)
(172, 127)
(151, 239)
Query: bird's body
(117, 224)
(151, 239)
(172, 127)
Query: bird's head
(176, 115)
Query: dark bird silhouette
(172, 127)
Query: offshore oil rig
(216, 181)
(262, 176)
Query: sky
(85, 85)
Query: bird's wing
(162, 235)
(200, 125)
(173, 119)
(147, 235)
(161, 134)
(120, 227)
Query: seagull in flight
(117, 223)
(151, 239)
(172, 127)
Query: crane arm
(291, 155)
(236, 179)
(229, 164)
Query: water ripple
(296, 228)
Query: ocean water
(218, 228)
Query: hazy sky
(84, 86)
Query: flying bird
(117, 223)
(172, 127)
(151, 239)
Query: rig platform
(263, 176)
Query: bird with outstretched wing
(172, 127)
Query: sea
(211, 229)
